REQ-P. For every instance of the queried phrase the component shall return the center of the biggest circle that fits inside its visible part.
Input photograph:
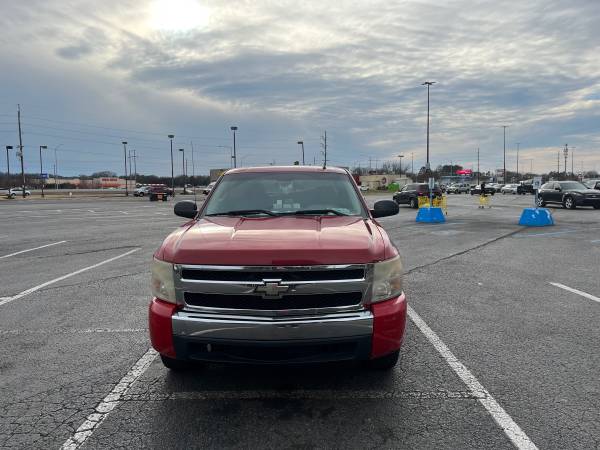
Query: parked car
(527, 187)
(19, 191)
(208, 188)
(510, 189)
(593, 184)
(281, 265)
(458, 188)
(7, 193)
(158, 192)
(476, 190)
(495, 186)
(409, 194)
(141, 191)
(363, 188)
(570, 194)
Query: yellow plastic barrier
(438, 202)
(484, 200)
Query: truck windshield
(285, 193)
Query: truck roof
(286, 169)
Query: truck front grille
(307, 301)
(273, 290)
(258, 276)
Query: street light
(428, 84)
(301, 143)
(400, 156)
(8, 147)
(125, 156)
(56, 166)
(171, 136)
(182, 150)
(42, 168)
(504, 171)
(518, 145)
(234, 129)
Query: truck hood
(304, 240)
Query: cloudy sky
(89, 74)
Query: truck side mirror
(384, 208)
(186, 208)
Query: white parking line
(576, 291)
(5, 300)
(73, 331)
(508, 425)
(32, 249)
(110, 402)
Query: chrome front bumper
(332, 337)
(213, 326)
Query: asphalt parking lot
(501, 350)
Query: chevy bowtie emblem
(271, 289)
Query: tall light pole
(566, 154)
(518, 145)
(301, 143)
(171, 136)
(572, 162)
(56, 166)
(8, 147)
(234, 129)
(504, 127)
(42, 169)
(182, 150)
(125, 158)
(400, 157)
(428, 84)
(412, 163)
(477, 165)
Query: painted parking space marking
(596, 241)
(5, 300)
(576, 291)
(500, 416)
(110, 402)
(32, 249)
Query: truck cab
(280, 265)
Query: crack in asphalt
(463, 252)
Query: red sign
(464, 172)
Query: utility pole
(324, 146)
(135, 167)
(412, 163)
(558, 165)
(42, 169)
(56, 166)
(301, 143)
(125, 158)
(518, 145)
(182, 150)
(572, 162)
(428, 84)
(8, 147)
(193, 167)
(477, 165)
(171, 136)
(566, 154)
(21, 149)
(504, 170)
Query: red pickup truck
(280, 265)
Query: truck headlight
(163, 286)
(387, 280)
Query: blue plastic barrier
(536, 217)
(431, 215)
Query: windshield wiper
(243, 212)
(316, 212)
